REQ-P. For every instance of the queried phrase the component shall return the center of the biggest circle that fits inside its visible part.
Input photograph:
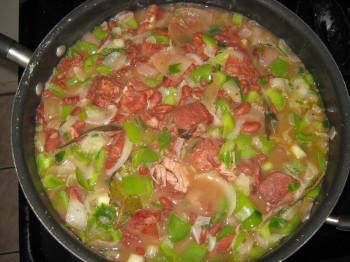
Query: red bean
(140, 250)
(143, 170)
(203, 236)
(166, 202)
(155, 98)
(250, 127)
(186, 90)
(215, 228)
(242, 108)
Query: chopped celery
(137, 185)
(266, 145)
(99, 33)
(51, 182)
(103, 69)
(90, 63)
(174, 68)
(65, 111)
(83, 182)
(63, 198)
(222, 77)
(282, 226)
(210, 41)
(223, 105)
(195, 253)
(237, 19)
(294, 168)
(57, 90)
(226, 153)
(133, 132)
(279, 67)
(144, 156)
(253, 97)
(253, 221)
(43, 162)
(90, 48)
(83, 157)
(73, 81)
(256, 252)
(303, 138)
(204, 71)
(276, 98)
(298, 122)
(322, 163)
(309, 80)
(228, 123)
(177, 228)
(239, 240)
(154, 82)
(219, 59)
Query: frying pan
(268, 13)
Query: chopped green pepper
(253, 221)
(215, 30)
(293, 186)
(276, 98)
(195, 253)
(90, 63)
(210, 41)
(225, 231)
(226, 153)
(322, 163)
(43, 162)
(161, 39)
(303, 138)
(204, 71)
(154, 82)
(51, 182)
(177, 228)
(137, 185)
(90, 48)
(99, 33)
(174, 68)
(228, 123)
(59, 156)
(65, 111)
(105, 216)
(164, 139)
(279, 67)
(133, 132)
(237, 19)
(219, 59)
(63, 198)
(57, 90)
(169, 252)
(223, 105)
(132, 23)
(144, 156)
(103, 69)
(313, 193)
(244, 207)
(82, 180)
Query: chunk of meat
(243, 68)
(170, 171)
(133, 102)
(274, 189)
(205, 155)
(105, 89)
(67, 64)
(145, 221)
(187, 117)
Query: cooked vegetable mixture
(221, 146)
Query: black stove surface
(37, 18)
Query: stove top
(37, 18)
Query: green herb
(215, 30)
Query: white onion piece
(147, 70)
(69, 122)
(80, 74)
(113, 43)
(151, 40)
(124, 156)
(40, 140)
(211, 242)
(151, 251)
(196, 232)
(52, 106)
(76, 215)
(228, 189)
(117, 30)
(233, 91)
(90, 38)
(197, 60)
(269, 55)
(100, 116)
(115, 60)
(286, 49)
(135, 258)
(94, 196)
(235, 53)
(209, 51)
(202, 220)
(63, 170)
(279, 83)
(94, 143)
(244, 32)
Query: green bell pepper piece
(144, 156)
(228, 123)
(99, 33)
(195, 253)
(133, 132)
(63, 198)
(313, 193)
(244, 207)
(137, 185)
(225, 231)
(154, 82)
(105, 216)
(169, 252)
(174, 68)
(253, 221)
(177, 228)
(303, 138)
(223, 105)
(51, 182)
(276, 98)
(132, 23)
(60, 156)
(56, 89)
(204, 71)
(161, 39)
(322, 163)
(293, 186)
(103, 69)
(82, 181)
(90, 63)
(65, 111)
(90, 48)
(226, 151)
(215, 30)
(237, 19)
(43, 162)
(279, 67)
(210, 41)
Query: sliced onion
(228, 189)
(235, 53)
(124, 156)
(244, 32)
(69, 122)
(209, 51)
(197, 60)
(76, 215)
(151, 251)
(151, 40)
(52, 106)
(93, 143)
(94, 196)
(90, 38)
(63, 170)
(211, 242)
(80, 74)
(233, 91)
(115, 60)
(196, 232)
(100, 116)
(279, 83)
(147, 70)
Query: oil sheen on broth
(223, 145)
